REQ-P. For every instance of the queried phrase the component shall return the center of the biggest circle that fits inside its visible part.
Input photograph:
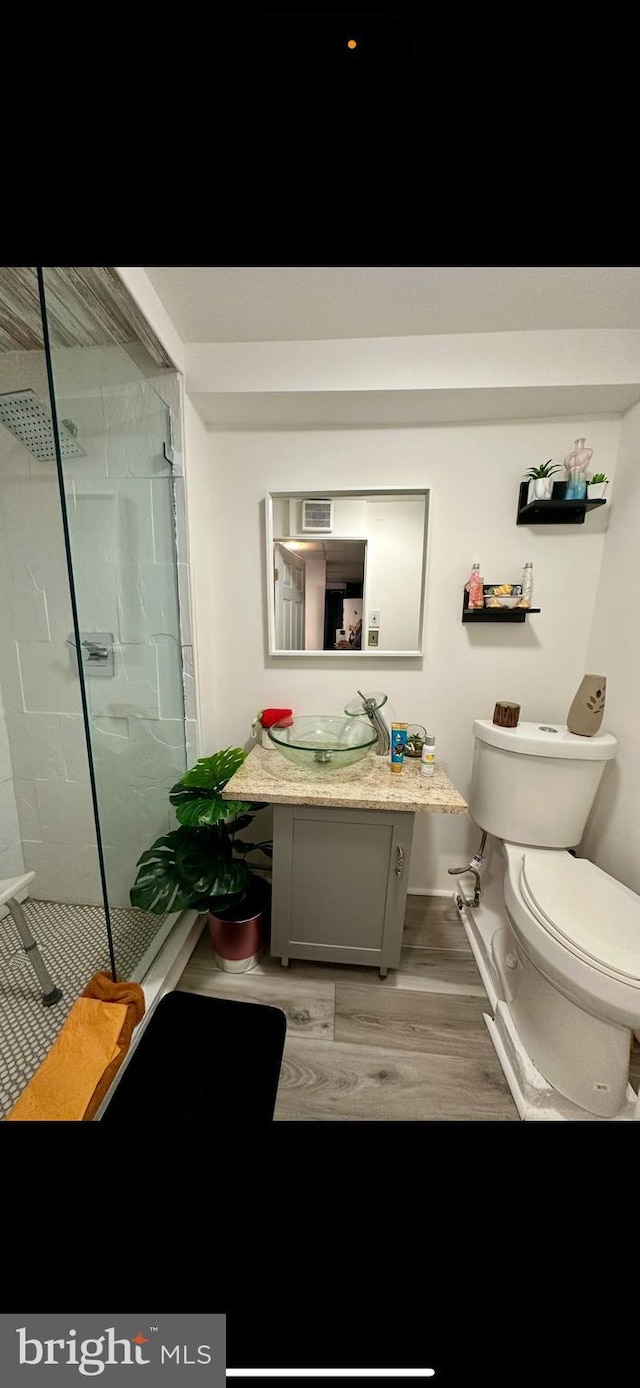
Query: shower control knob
(511, 961)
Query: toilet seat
(591, 914)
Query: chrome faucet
(375, 717)
(96, 652)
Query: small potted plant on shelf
(597, 486)
(540, 481)
(202, 865)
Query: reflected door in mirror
(289, 599)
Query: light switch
(374, 617)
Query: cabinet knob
(400, 862)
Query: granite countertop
(368, 785)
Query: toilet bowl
(568, 952)
(573, 972)
(579, 926)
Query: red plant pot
(240, 937)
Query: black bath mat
(202, 1060)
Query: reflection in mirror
(318, 590)
(346, 572)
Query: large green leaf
(186, 869)
(195, 808)
(212, 773)
(197, 796)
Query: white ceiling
(231, 303)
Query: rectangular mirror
(346, 572)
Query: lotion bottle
(428, 759)
(475, 589)
(398, 739)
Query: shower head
(25, 416)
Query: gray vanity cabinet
(340, 884)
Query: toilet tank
(535, 784)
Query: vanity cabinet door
(339, 884)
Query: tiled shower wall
(121, 518)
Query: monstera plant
(203, 864)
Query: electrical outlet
(373, 636)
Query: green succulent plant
(598, 477)
(542, 470)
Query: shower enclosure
(95, 660)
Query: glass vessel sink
(323, 740)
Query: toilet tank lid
(546, 740)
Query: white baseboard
(430, 891)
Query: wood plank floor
(413, 1046)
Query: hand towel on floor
(72, 1080)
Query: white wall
(441, 361)
(612, 837)
(315, 578)
(394, 571)
(473, 473)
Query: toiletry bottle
(527, 586)
(398, 739)
(427, 763)
(475, 588)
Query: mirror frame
(341, 656)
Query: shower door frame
(167, 955)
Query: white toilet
(567, 956)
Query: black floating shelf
(502, 615)
(556, 511)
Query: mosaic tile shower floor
(73, 944)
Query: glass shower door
(115, 443)
(48, 832)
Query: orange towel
(72, 1080)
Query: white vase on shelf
(596, 491)
(540, 489)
